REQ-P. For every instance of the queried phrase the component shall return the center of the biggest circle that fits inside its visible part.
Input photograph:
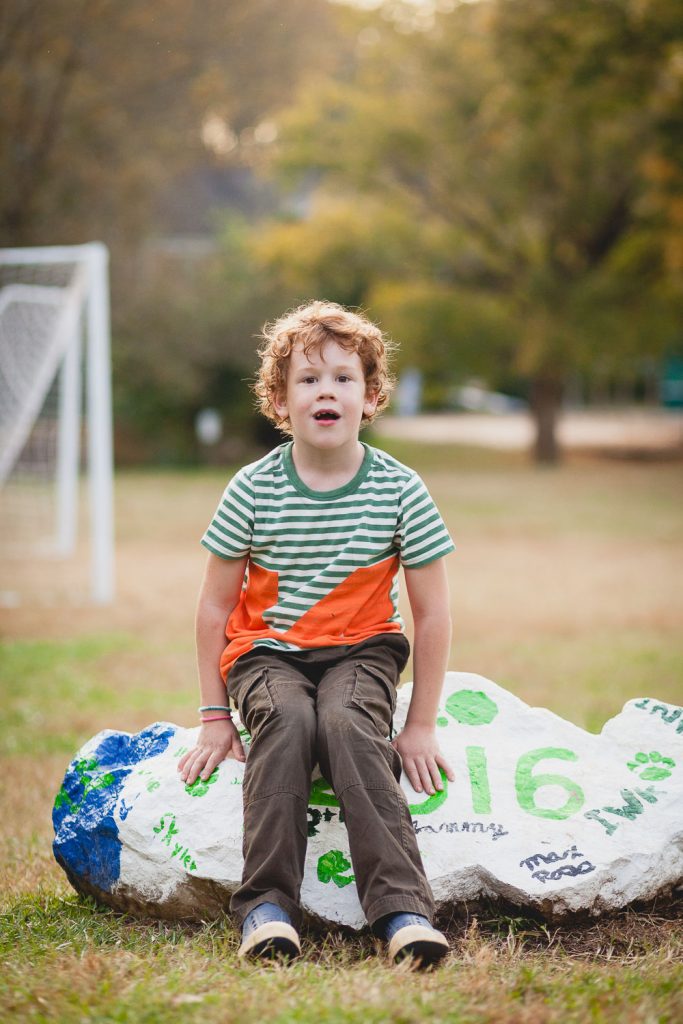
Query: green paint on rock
(479, 779)
(471, 707)
(322, 795)
(84, 770)
(652, 767)
(527, 784)
(434, 800)
(331, 867)
(200, 786)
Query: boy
(304, 553)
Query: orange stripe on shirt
(357, 608)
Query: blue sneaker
(411, 935)
(267, 932)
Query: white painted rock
(542, 815)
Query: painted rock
(541, 814)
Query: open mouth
(326, 414)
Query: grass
(45, 677)
(82, 963)
(565, 588)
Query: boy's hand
(422, 758)
(217, 740)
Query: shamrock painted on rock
(330, 868)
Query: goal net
(55, 392)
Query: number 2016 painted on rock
(472, 707)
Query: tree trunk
(546, 399)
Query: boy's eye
(343, 378)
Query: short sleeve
(230, 531)
(421, 534)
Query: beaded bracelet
(213, 707)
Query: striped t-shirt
(323, 565)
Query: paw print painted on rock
(653, 766)
(200, 786)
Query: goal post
(54, 339)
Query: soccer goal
(55, 390)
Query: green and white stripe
(315, 540)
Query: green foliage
(105, 105)
(183, 340)
(337, 252)
(117, 120)
(499, 183)
(449, 332)
(532, 148)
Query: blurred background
(498, 183)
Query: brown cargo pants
(333, 706)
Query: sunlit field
(565, 588)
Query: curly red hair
(311, 326)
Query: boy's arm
(417, 744)
(219, 594)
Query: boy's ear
(280, 404)
(370, 404)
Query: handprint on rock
(85, 770)
(200, 786)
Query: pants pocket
(372, 692)
(256, 699)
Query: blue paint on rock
(87, 841)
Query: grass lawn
(565, 589)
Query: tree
(105, 102)
(535, 146)
(108, 106)
(595, 88)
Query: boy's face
(326, 396)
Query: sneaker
(411, 935)
(267, 932)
